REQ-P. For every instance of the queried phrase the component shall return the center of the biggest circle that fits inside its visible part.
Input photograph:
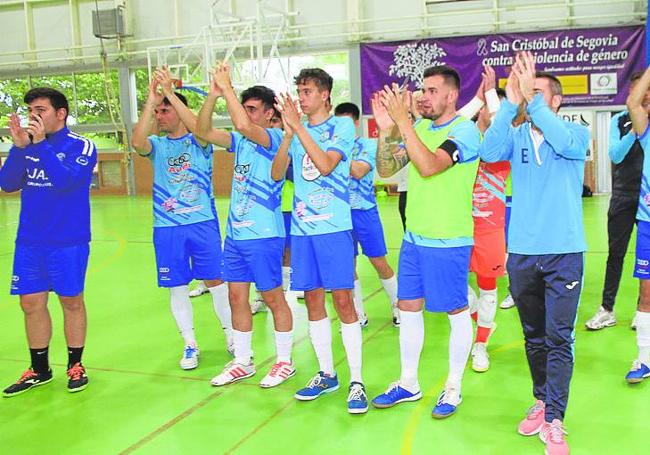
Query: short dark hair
(319, 76)
(449, 74)
(180, 96)
(262, 93)
(636, 76)
(57, 99)
(556, 85)
(350, 109)
(501, 93)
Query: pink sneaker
(552, 434)
(532, 424)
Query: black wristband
(452, 150)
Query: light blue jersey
(643, 212)
(182, 181)
(362, 191)
(547, 178)
(255, 198)
(321, 204)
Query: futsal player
(186, 236)
(367, 230)
(322, 255)
(434, 258)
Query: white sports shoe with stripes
(233, 372)
(279, 373)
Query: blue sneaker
(319, 384)
(638, 372)
(448, 402)
(395, 394)
(357, 399)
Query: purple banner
(594, 64)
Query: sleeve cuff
(492, 100)
(338, 150)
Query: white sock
(320, 333)
(351, 335)
(472, 300)
(283, 345)
(286, 277)
(182, 311)
(222, 307)
(411, 341)
(243, 346)
(643, 336)
(258, 295)
(357, 297)
(487, 307)
(460, 344)
(483, 292)
(390, 287)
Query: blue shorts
(439, 275)
(642, 263)
(256, 261)
(287, 229)
(322, 261)
(188, 252)
(39, 269)
(367, 230)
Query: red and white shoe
(279, 373)
(552, 434)
(233, 372)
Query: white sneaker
(279, 373)
(508, 302)
(601, 319)
(258, 306)
(200, 289)
(480, 358)
(233, 372)
(190, 358)
(633, 324)
(396, 319)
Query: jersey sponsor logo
(181, 178)
(37, 174)
(309, 170)
(320, 198)
(32, 158)
(15, 278)
(642, 262)
(190, 193)
(60, 156)
(163, 269)
(82, 160)
(241, 171)
(170, 204)
(179, 163)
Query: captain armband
(452, 150)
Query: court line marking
(284, 407)
(188, 412)
(416, 415)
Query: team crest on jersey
(309, 170)
(179, 163)
(60, 156)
